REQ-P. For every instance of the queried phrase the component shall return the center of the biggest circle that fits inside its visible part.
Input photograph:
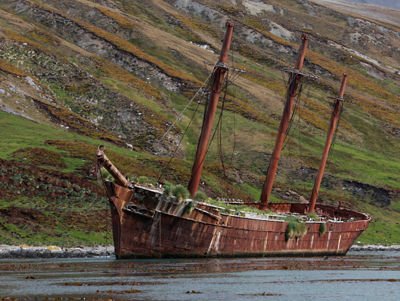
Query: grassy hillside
(77, 73)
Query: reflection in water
(357, 276)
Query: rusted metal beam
(102, 160)
(294, 81)
(220, 72)
(328, 143)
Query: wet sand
(361, 275)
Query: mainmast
(294, 80)
(331, 133)
(220, 71)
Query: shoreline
(375, 248)
(24, 251)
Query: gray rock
(7, 251)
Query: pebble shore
(7, 251)
(375, 248)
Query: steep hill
(78, 73)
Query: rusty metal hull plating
(163, 231)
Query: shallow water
(360, 275)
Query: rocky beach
(25, 251)
(7, 251)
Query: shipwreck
(150, 223)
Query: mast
(294, 80)
(220, 71)
(328, 143)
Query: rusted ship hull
(153, 228)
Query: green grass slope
(77, 73)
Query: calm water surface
(357, 276)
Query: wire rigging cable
(297, 103)
(219, 126)
(230, 76)
(337, 126)
(199, 93)
(179, 143)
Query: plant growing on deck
(312, 216)
(322, 228)
(146, 181)
(168, 188)
(295, 229)
(180, 192)
(142, 180)
(200, 196)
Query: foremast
(294, 84)
(219, 74)
(337, 109)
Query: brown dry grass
(11, 69)
(40, 157)
(76, 122)
(124, 76)
(118, 42)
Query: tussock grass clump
(142, 180)
(313, 216)
(146, 181)
(295, 229)
(322, 229)
(200, 196)
(180, 192)
(168, 188)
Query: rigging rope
(229, 78)
(221, 155)
(337, 126)
(234, 138)
(215, 130)
(180, 115)
(298, 96)
(179, 143)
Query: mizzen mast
(220, 71)
(294, 83)
(328, 143)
